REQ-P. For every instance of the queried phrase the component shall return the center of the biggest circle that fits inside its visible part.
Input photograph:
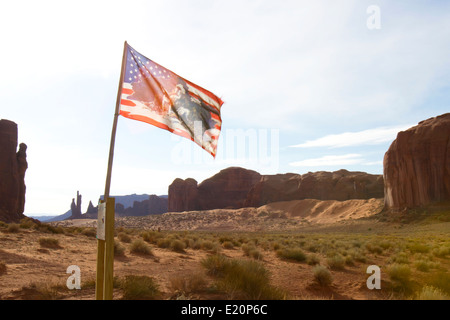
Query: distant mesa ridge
(237, 187)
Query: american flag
(156, 95)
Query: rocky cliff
(416, 166)
(13, 165)
(238, 187)
(338, 185)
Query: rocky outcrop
(153, 205)
(76, 207)
(416, 166)
(339, 185)
(183, 195)
(238, 187)
(227, 189)
(13, 165)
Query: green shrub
(312, 259)
(163, 243)
(245, 278)
(207, 245)
(123, 237)
(431, 293)
(374, 248)
(119, 250)
(13, 228)
(27, 223)
(89, 232)
(139, 288)
(417, 247)
(228, 245)
(336, 262)
(322, 275)
(50, 243)
(140, 247)
(177, 246)
(292, 254)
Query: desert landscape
(243, 235)
(278, 256)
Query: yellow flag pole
(105, 248)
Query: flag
(155, 95)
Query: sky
(307, 85)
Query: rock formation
(417, 165)
(76, 207)
(13, 165)
(226, 189)
(238, 187)
(338, 185)
(183, 195)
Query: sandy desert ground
(34, 259)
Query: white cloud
(333, 160)
(350, 139)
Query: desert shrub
(313, 247)
(247, 278)
(207, 245)
(423, 265)
(140, 247)
(255, 254)
(440, 280)
(27, 223)
(418, 247)
(89, 232)
(177, 245)
(2, 268)
(42, 291)
(47, 228)
(349, 261)
(196, 244)
(13, 228)
(374, 248)
(400, 274)
(188, 284)
(152, 236)
(276, 246)
(119, 250)
(322, 275)
(163, 243)
(123, 237)
(441, 252)
(139, 288)
(215, 264)
(312, 259)
(292, 254)
(252, 252)
(336, 262)
(401, 258)
(50, 243)
(431, 293)
(228, 245)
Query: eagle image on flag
(156, 95)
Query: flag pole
(105, 248)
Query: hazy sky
(307, 85)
